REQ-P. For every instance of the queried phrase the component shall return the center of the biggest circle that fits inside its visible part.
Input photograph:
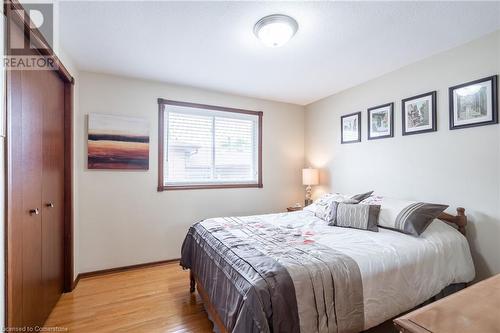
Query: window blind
(206, 147)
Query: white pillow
(314, 206)
(345, 198)
(325, 208)
(311, 208)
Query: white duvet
(398, 271)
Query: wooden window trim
(161, 149)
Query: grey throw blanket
(265, 278)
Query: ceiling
(211, 44)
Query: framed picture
(474, 103)
(381, 121)
(419, 114)
(350, 129)
(119, 143)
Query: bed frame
(459, 220)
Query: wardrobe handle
(34, 211)
(50, 205)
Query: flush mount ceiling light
(275, 30)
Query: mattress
(292, 272)
(398, 271)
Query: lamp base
(308, 200)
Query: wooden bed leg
(192, 282)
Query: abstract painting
(116, 142)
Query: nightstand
(293, 209)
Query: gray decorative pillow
(364, 217)
(415, 218)
(326, 206)
(409, 217)
(362, 196)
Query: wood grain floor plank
(154, 299)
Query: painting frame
(358, 131)
(117, 142)
(492, 100)
(371, 111)
(432, 125)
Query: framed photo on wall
(350, 129)
(474, 103)
(419, 114)
(381, 121)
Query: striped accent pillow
(363, 217)
(416, 217)
(409, 217)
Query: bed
(291, 272)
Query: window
(203, 146)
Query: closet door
(31, 168)
(36, 195)
(52, 190)
(37, 166)
(38, 186)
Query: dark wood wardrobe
(39, 218)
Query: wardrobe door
(52, 191)
(39, 171)
(35, 187)
(31, 168)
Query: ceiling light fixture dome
(275, 30)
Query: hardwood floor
(153, 299)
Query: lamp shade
(310, 176)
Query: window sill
(206, 187)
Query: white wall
(459, 167)
(122, 218)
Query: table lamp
(310, 177)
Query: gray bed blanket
(264, 278)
